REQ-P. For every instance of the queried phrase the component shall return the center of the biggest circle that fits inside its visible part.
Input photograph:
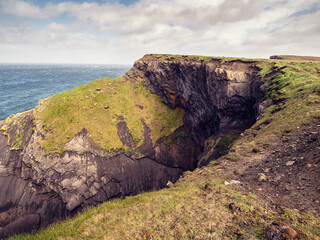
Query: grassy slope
(296, 94)
(98, 106)
(198, 206)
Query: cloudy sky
(121, 31)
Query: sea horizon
(24, 84)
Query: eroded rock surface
(217, 97)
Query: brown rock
(280, 232)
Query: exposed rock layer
(217, 97)
(37, 189)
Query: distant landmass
(295, 58)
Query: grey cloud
(17, 8)
(24, 9)
(248, 28)
(295, 37)
(313, 9)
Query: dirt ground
(286, 173)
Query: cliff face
(217, 97)
(38, 187)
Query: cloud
(111, 31)
(19, 9)
(56, 27)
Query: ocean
(23, 85)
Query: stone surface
(21, 225)
(290, 163)
(217, 97)
(280, 232)
(261, 177)
(232, 182)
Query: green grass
(225, 143)
(295, 93)
(197, 207)
(193, 58)
(234, 158)
(98, 106)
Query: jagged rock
(262, 177)
(277, 178)
(229, 97)
(232, 182)
(290, 163)
(280, 232)
(21, 225)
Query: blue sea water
(23, 85)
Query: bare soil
(286, 173)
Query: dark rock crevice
(218, 98)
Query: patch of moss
(234, 158)
(99, 106)
(170, 140)
(14, 128)
(225, 143)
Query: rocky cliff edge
(117, 137)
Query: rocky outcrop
(217, 97)
(52, 187)
(37, 189)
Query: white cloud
(56, 27)
(117, 33)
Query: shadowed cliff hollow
(217, 96)
(117, 137)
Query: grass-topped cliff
(255, 189)
(99, 106)
(293, 99)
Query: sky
(122, 31)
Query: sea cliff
(118, 137)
